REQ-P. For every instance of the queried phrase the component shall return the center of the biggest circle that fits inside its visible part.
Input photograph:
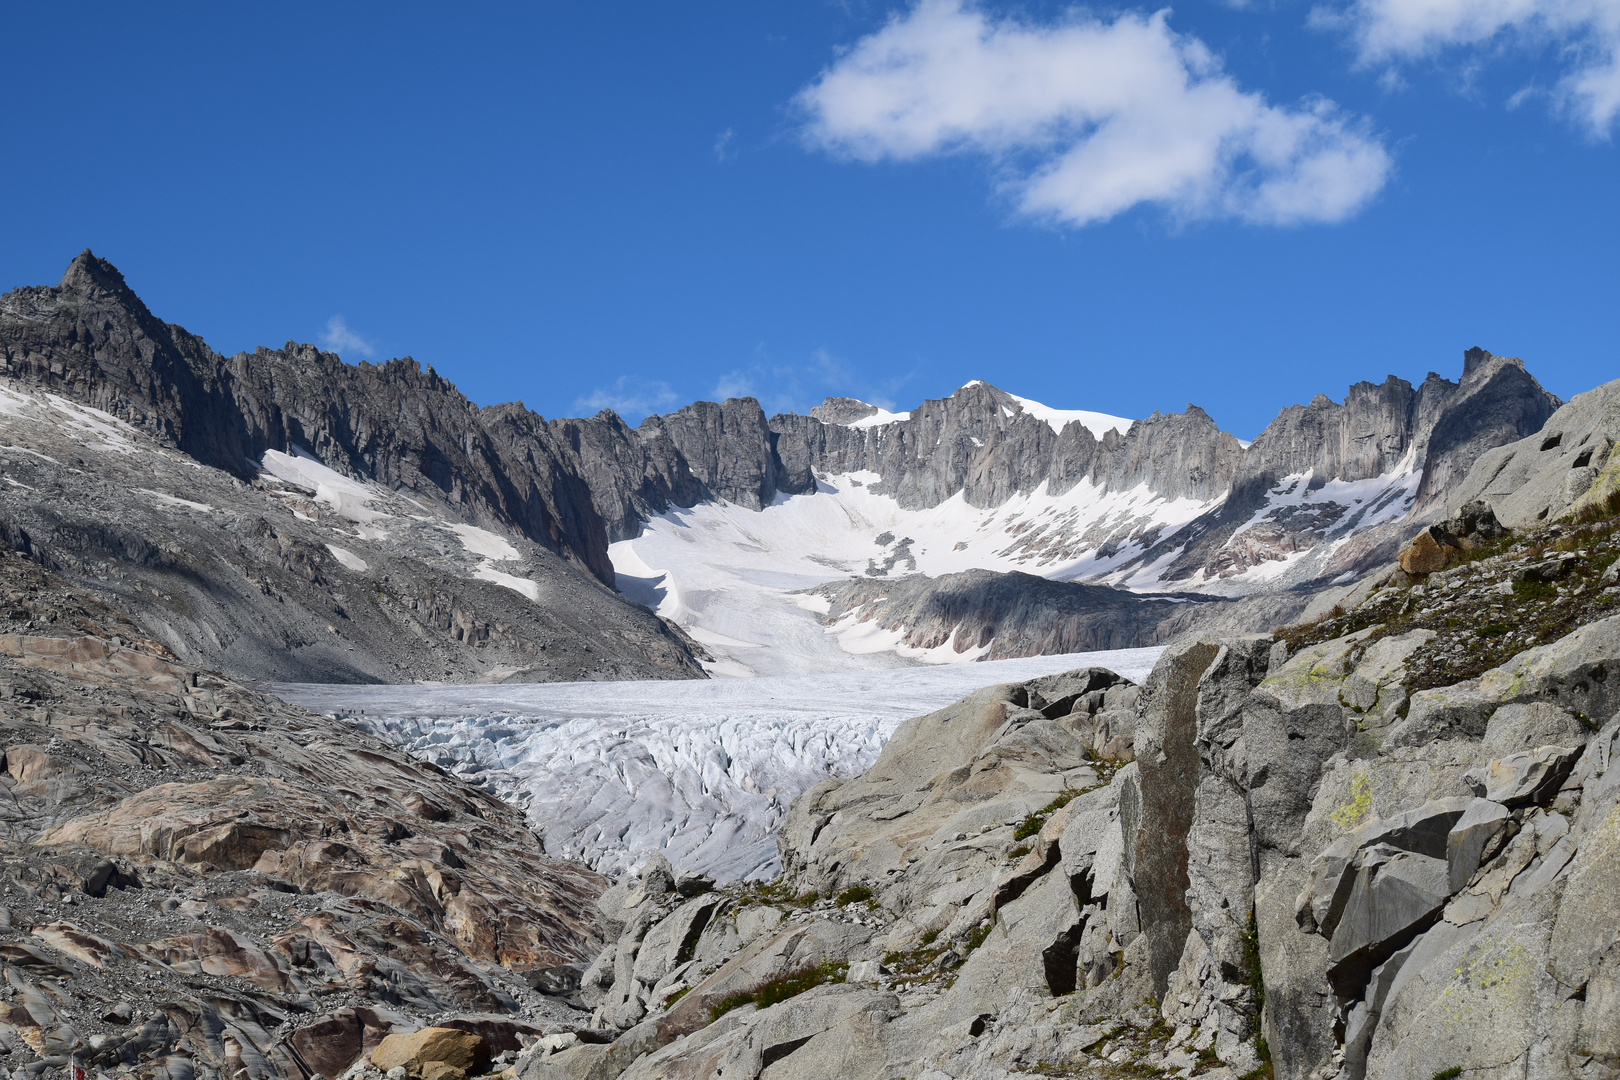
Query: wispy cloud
(340, 338)
(1084, 118)
(783, 386)
(629, 396)
(722, 146)
(739, 383)
(1585, 34)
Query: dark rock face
(93, 340)
(1496, 403)
(1167, 755)
(981, 442)
(1441, 424)
(268, 579)
(1014, 614)
(727, 447)
(574, 486)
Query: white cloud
(786, 386)
(722, 146)
(630, 397)
(734, 384)
(1586, 34)
(339, 338)
(1086, 118)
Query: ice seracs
(701, 771)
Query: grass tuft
(773, 991)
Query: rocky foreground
(200, 881)
(1385, 844)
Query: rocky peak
(89, 273)
(92, 340)
(842, 410)
(1497, 402)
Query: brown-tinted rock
(337, 1040)
(461, 1050)
(1424, 555)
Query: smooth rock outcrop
(1561, 466)
(1525, 778)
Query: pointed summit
(88, 272)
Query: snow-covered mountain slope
(734, 578)
(979, 481)
(703, 771)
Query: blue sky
(642, 204)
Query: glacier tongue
(704, 771)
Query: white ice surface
(485, 543)
(879, 418)
(703, 771)
(164, 499)
(493, 549)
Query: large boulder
(1425, 831)
(1394, 895)
(1527, 725)
(1437, 545)
(1167, 757)
(415, 1051)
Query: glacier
(704, 771)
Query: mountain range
(284, 515)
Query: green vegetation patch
(773, 991)
(778, 893)
(1478, 625)
(854, 895)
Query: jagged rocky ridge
(999, 616)
(572, 487)
(1319, 857)
(267, 562)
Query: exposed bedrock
(92, 339)
(981, 442)
(1298, 859)
(357, 574)
(573, 486)
(1566, 464)
(1440, 427)
(1004, 615)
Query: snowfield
(730, 576)
(703, 771)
